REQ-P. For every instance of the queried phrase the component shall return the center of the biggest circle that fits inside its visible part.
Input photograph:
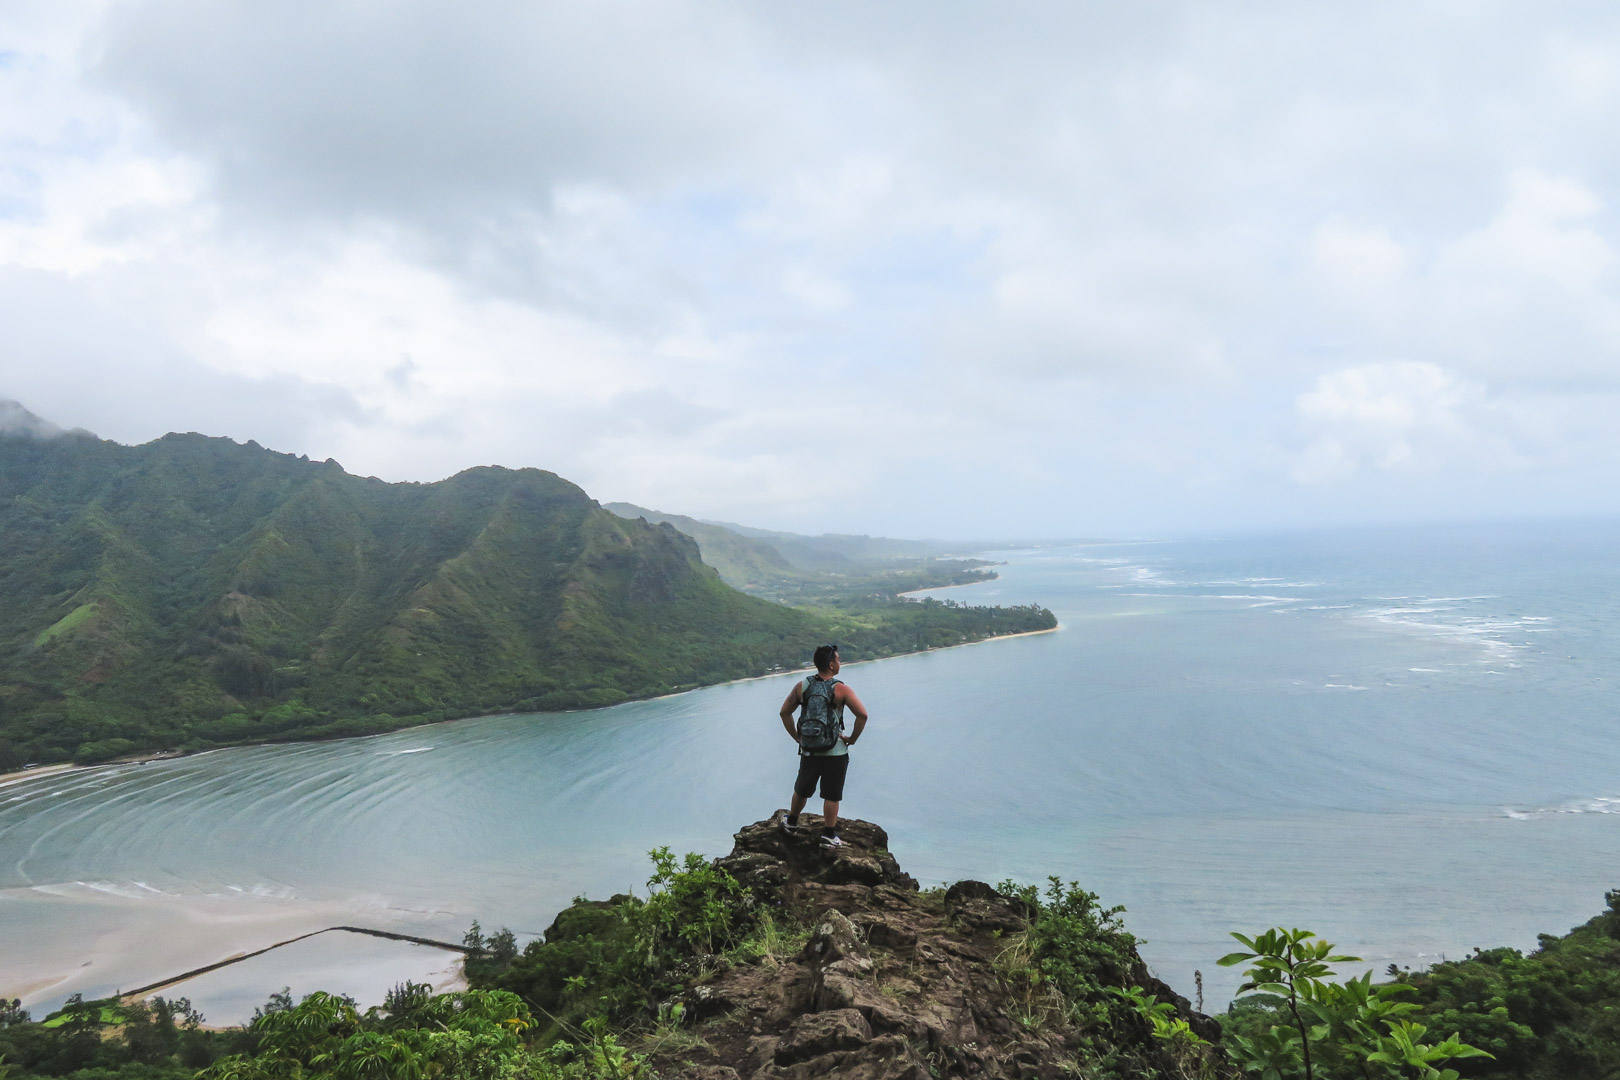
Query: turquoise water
(1402, 739)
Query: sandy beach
(126, 943)
(68, 767)
(43, 770)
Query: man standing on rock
(823, 747)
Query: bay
(1403, 739)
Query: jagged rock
(820, 1033)
(968, 889)
(761, 1053)
(895, 899)
(885, 934)
(838, 962)
(768, 859)
(884, 1058)
(765, 874)
(854, 870)
(980, 907)
(834, 939)
(963, 891)
(815, 896)
(887, 1016)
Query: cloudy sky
(907, 268)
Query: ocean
(1404, 739)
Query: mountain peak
(15, 419)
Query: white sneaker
(832, 841)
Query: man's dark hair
(824, 656)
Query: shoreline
(63, 768)
(794, 671)
(42, 770)
(66, 768)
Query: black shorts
(827, 768)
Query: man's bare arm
(853, 704)
(791, 706)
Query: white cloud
(1359, 263)
(815, 291)
(1544, 232)
(1398, 415)
(1110, 267)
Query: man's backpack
(818, 727)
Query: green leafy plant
(618, 958)
(475, 1035)
(1076, 946)
(692, 907)
(1401, 1050)
(606, 1057)
(1074, 967)
(1286, 963)
(1193, 1055)
(1328, 1028)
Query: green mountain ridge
(844, 548)
(825, 569)
(742, 562)
(193, 591)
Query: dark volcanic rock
(767, 859)
(708, 1072)
(980, 906)
(885, 934)
(838, 962)
(820, 1033)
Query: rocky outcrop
(873, 979)
(770, 860)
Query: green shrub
(693, 908)
(475, 1035)
(1076, 946)
(92, 753)
(1310, 1026)
(615, 958)
(1551, 1014)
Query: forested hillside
(193, 591)
(743, 562)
